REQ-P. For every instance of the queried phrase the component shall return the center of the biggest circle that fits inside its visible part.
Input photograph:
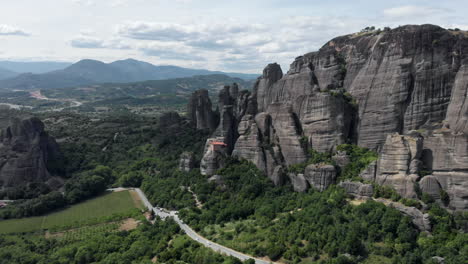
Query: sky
(234, 35)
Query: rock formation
(186, 161)
(430, 185)
(320, 176)
(419, 219)
(399, 162)
(27, 153)
(213, 158)
(200, 111)
(169, 119)
(373, 89)
(357, 189)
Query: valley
(357, 153)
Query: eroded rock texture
(200, 112)
(26, 153)
(320, 176)
(186, 161)
(361, 88)
(399, 163)
(357, 189)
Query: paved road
(164, 213)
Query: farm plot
(105, 208)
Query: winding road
(164, 213)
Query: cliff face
(373, 89)
(26, 153)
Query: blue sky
(235, 35)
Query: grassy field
(111, 206)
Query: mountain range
(37, 67)
(5, 74)
(86, 72)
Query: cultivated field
(108, 207)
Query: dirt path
(197, 202)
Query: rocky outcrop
(357, 189)
(341, 159)
(169, 119)
(298, 182)
(200, 112)
(320, 176)
(186, 161)
(446, 154)
(430, 185)
(419, 219)
(27, 153)
(399, 163)
(370, 172)
(374, 89)
(213, 158)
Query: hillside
(33, 66)
(5, 74)
(159, 95)
(86, 72)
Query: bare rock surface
(396, 165)
(186, 161)
(373, 89)
(200, 112)
(430, 185)
(320, 176)
(26, 152)
(357, 189)
(299, 182)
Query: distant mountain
(5, 74)
(86, 72)
(181, 87)
(37, 67)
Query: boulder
(298, 182)
(320, 176)
(430, 185)
(186, 161)
(357, 189)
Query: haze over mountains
(5, 74)
(33, 66)
(87, 72)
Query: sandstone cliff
(27, 153)
(373, 89)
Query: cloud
(156, 31)
(170, 51)
(84, 2)
(89, 42)
(214, 36)
(413, 11)
(7, 30)
(232, 44)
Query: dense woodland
(244, 211)
(162, 241)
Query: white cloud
(84, 2)
(412, 11)
(7, 30)
(85, 41)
